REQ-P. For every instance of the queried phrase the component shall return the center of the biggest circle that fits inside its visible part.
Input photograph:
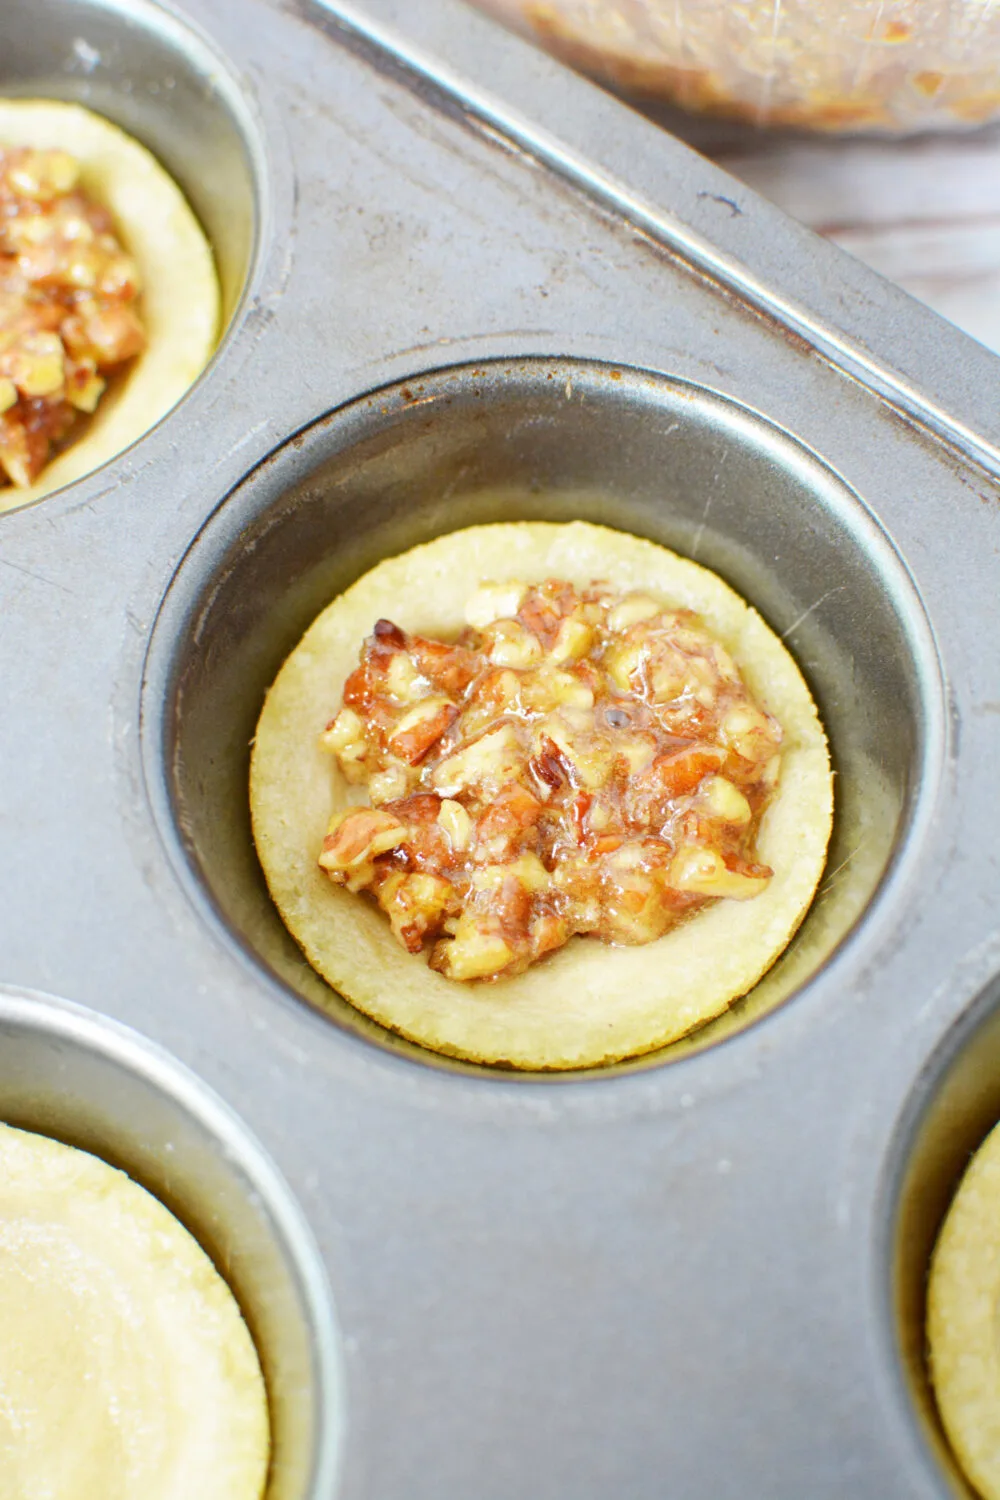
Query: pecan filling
(68, 307)
(578, 761)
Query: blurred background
(875, 122)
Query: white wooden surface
(924, 212)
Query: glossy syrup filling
(578, 761)
(69, 316)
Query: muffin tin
(463, 285)
(85, 1080)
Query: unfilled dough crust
(126, 1370)
(963, 1320)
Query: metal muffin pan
(167, 84)
(549, 439)
(954, 1105)
(700, 1275)
(71, 1074)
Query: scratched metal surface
(919, 210)
(675, 1279)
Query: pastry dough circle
(126, 1370)
(588, 1003)
(963, 1320)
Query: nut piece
(590, 761)
(31, 229)
(494, 601)
(421, 727)
(511, 645)
(746, 730)
(36, 364)
(474, 952)
(402, 679)
(633, 911)
(550, 686)
(527, 868)
(489, 763)
(45, 174)
(355, 837)
(621, 661)
(573, 641)
(388, 785)
(343, 732)
(701, 872)
(668, 676)
(724, 801)
(414, 904)
(638, 752)
(344, 737)
(84, 387)
(61, 171)
(632, 609)
(456, 823)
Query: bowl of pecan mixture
(563, 805)
(834, 65)
(108, 295)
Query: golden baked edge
(180, 297)
(588, 1003)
